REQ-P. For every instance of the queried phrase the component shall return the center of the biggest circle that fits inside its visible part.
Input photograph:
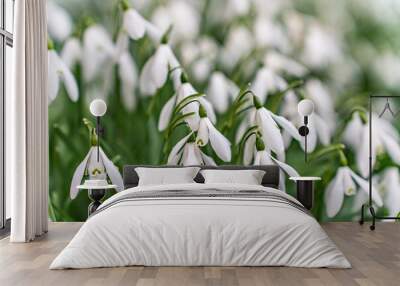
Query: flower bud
(260, 144)
(256, 102)
(202, 111)
(184, 78)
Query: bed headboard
(270, 179)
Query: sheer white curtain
(26, 124)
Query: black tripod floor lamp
(387, 108)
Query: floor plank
(375, 257)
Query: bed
(198, 224)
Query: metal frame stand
(370, 205)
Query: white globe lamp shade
(305, 107)
(98, 107)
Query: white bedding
(185, 231)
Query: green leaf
(175, 123)
(186, 101)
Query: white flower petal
(191, 155)
(352, 134)
(69, 81)
(185, 90)
(121, 46)
(334, 194)
(112, 171)
(98, 48)
(287, 126)
(392, 147)
(133, 24)
(364, 185)
(286, 168)
(218, 92)
(257, 158)
(78, 176)
(53, 75)
(59, 22)
(392, 198)
(147, 86)
(270, 132)
(362, 152)
(248, 150)
(71, 52)
(208, 160)
(219, 143)
(209, 109)
(174, 154)
(159, 66)
(166, 113)
(202, 133)
(322, 130)
(128, 74)
(349, 186)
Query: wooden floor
(375, 257)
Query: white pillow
(248, 177)
(163, 176)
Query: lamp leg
(305, 148)
(98, 137)
(361, 221)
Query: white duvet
(200, 231)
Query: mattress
(201, 225)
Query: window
(6, 44)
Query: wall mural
(218, 82)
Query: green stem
(327, 150)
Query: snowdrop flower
(133, 24)
(128, 74)
(264, 157)
(178, 14)
(59, 22)
(321, 47)
(323, 101)
(280, 63)
(235, 8)
(71, 52)
(155, 71)
(385, 139)
(390, 183)
(221, 91)
(267, 123)
(186, 152)
(353, 131)
(386, 67)
(239, 43)
(295, 25)
(266, 82)
(97, 170)
(208, 133)
(199, 56)
(100, 55)
(345, 183)
(98, 50)
(59, 71)
(269, 34)
(184, 90)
